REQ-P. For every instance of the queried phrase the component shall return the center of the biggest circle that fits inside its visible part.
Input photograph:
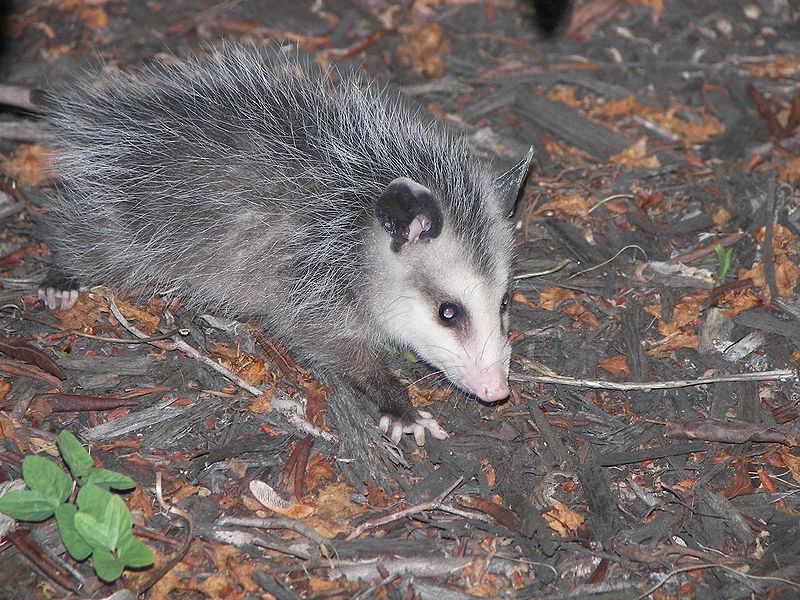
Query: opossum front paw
(58, 299)
(424, 421)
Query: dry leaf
(5, 387)
(789, 171)
(560, 150)
(141, 503)
(619, 108)
(617, 365)
(423, 49)
(739, 301)
(30, 165)
(683, 314)
(581, 316)
(334, 510)
(551, 297)
(675, 342)
(94, 17)
(741, 484)
(523, 299)
(635, 156)
(318, 469)
(791, 462)
(565, 95)
(562, 519)
(425, 397)
(570, 204)
(779, 67)
(262, 405)
(252, 370)
(720, 218)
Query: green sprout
(96, 524)
(724, 258)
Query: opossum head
(445, 273)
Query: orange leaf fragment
(549, 298)
(570, 204)
(635, 156)
(562, 519)
(423, 49)
(31, 165)
(616, 365)
(523, 299)
(789, 172)
(791, 462)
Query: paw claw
(395, 429)
(384, 423)
(397, 433)
(58, 299)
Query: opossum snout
(489, 384)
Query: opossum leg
(397, 415)
(59, 291)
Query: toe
(397, 433)
(419, 434)
(384, 423)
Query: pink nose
(489, 384)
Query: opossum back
(246, 181)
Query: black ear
(509, 184)
(408, 212)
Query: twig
(610, 260)
(178, 344)
(609, 199)
(779, 375)
(432, 505)
(769, 266)
(18, 97)
(700, 252)
(274, 523)
(558, 267)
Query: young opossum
(251, 183)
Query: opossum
(255, 184)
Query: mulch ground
(650, 445)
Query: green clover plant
(97, 524)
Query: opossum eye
(449, 312)
(504, 302)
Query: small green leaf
(93, 500)
(97, 534)
(107, 567)
(135, 553)
(119, 516)
(44, 476)
(27, 505)
(109, 479)
(102, 517)
(74, 454)
(724, 257)
(74, 542)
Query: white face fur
(435, 302)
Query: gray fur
(245, 182)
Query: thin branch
(779, 375)
(432, 505)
